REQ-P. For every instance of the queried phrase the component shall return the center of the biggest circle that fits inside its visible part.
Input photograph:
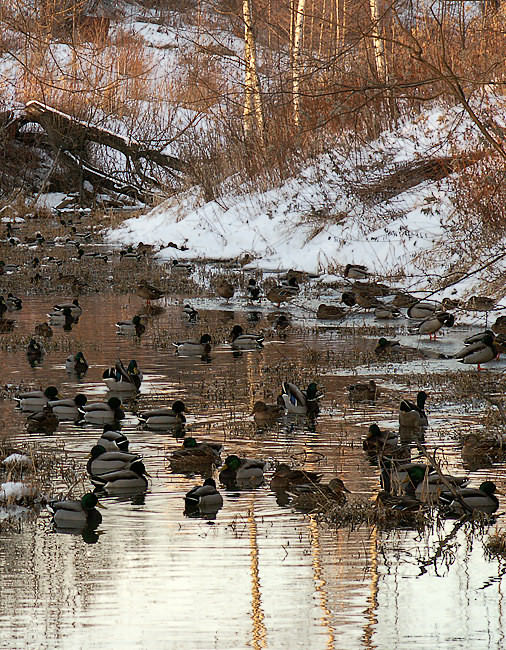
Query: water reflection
(268, 577)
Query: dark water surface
(259, 575)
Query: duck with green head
(76, 514)
(103, 412)
(69, 409)
(112, 439)
(35, 400)
(102, 461)
(130, 479)
(76, 364)
(123, 380)
(470, 500)
(301, 402)
(242, 473)
(163, 419)
(195, 456)
(204, 498)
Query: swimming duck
(480, 349)
(242, 473)
(434, 323)
(35, 400)
(196, 456)
(43, 329)
(242, 341)
(286, 478)
(34, 352)
(69, 409)
(133, 327)
(76, 514)
(119, 379)
(377, 440)
(329, 312)
(44, 421)
(299, 401)
(356, 272)
(253, 290)
(319, 496)
(427, 485)
(423, 309)
(63, 317)
(191, 313)
(132, 479)
(384, 346)
(102, 461)
(103, 412)
(200, 348)
(363, 392)
(469, 500)
(224, 289)
(74, 306)
(13, 302)
(281, 323)
(413, 416)
(148, 291)
(76, 363)
(112, 439)
(266, 413)
(163, 418)
(204, 498)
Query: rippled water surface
(260, 575)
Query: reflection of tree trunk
(377, 42)
(253, 113)
(297, 36)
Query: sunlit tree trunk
(253, 112)
(377, 41)
(296, 68)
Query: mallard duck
(6, 325)
(112, 439)
(265, 413)
(329, 312)
(434, 323)
(349, 298)
(13, 302)
(403, 299)
(191, 313)
(286, 478)
(119, 379)
(384, 346)
(480, 349)
(479, 303)
(363, 392)
(63, 317)
(132, 479)
(163, 418)
(253, 290)
(399, 502)
(499, 327)
(242, 341)
(148, 291)
(133, 327)
(43, 329)
(102, 461)
(204, 498)
(34, 352)
(200, 348)
(300, 402)
(281, 323)
(179, 265)
(423, 309)
(76, 514)
(69, 409)
(76, 363)
(468, 500)
(196, 456)
(224, 289)
(319, 496)
(371, 289)
(356, 272)
(35, 400)
(74, 306)
(44, 421)
(103, 412)
(413, 416)
(427, 485)
(377, 440)
(243, 473)
(367, 301)
(283, 292)
(385, 311)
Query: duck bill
(102, 507)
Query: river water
(260, 575)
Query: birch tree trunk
(253, 111)
(377, 41)
(296, 68)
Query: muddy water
(259, 575)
